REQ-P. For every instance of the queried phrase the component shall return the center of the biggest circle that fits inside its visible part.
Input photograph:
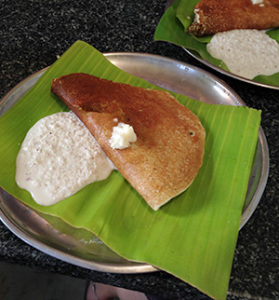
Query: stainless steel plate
(82, 248)
(232, 75)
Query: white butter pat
(197, 16)
(122, 136)
(257, 1)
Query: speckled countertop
(34, 32)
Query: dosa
(214, 16)
(169, 149)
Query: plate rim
(134, 267)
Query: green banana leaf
(193, 236)
(173, 26)
(274, 34)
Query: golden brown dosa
(223, 15)
(169, 149)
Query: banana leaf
(173, 26)
(274, 34)
(193, 236)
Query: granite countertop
(33, 33)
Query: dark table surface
(34, 32)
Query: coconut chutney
(58, 157)
(247, 53)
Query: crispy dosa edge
(169, 150)
(222, 15)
